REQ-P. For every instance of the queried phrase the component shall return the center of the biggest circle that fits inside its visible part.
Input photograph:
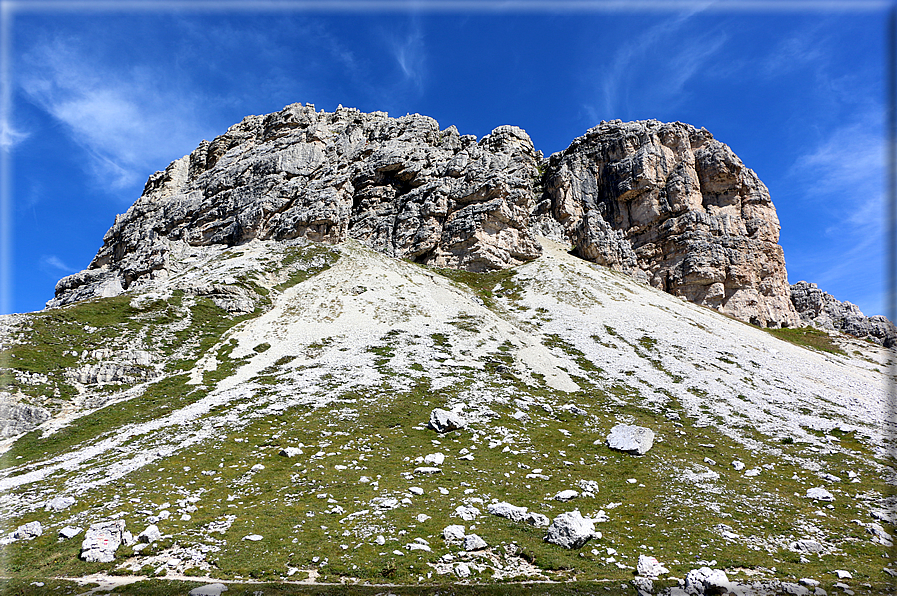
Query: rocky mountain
(346, 352)
(823, 310)
(666, 203)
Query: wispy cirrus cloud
(841, 178)
(656, 64)
(128, 119)
(54, 265)
(410, 54)
(10, 136)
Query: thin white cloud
(9, 135)
(128, 121)
(647, 57)
(410, 54)
(841, 180)
(54, 264)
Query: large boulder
(511, 512)
(631, 439)
(443, 421)
(707, 581)
(570, 530)
(102, 540)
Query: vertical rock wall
(672, 206)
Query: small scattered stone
(150, 534)
(739, 466)
(435, 458)
(473, 542)
(819, 494)
(291, 451)
(842, 574)
(69, 532)
(650, 567)
(443, 421)
(416, 490)
(253, 537)
(462, 570)
(59, 504)
(566, 495)
(427, 470)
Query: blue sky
(99, 98)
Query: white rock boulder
(628, 438)
(101, 541)
(506, 510)
(570, 530)
(443, 421)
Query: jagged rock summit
(664, 202)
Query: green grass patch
(808, 337)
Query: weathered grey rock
(443, 421)
(208, 590)
(819, 494)
(101, 541)
(631, 439)
(473, 542)
(537, 520)
(399, 185)
(467, 512)
(570, 530)
(28, 531)
(462, 570)
(650, 567)
(676, 208)
(566, 495)
(823, 310)
(806, 546)
(69, 532)
(507, 510)
(453, 533)
(643, 586)
(150, 534)
(59, 503)
(707, 581)
(291, 451)
(17, 418)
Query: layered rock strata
(824, 310)
(664, 202)
(400, 185)
(676, 208)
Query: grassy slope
(293, 503)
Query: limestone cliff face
(400, 185)
(676, 208)
(664, 202)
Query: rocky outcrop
(17, 418)
(666, 203)
(676, 208)
(824, 310)
(400, 185)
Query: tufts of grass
(808, 337)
